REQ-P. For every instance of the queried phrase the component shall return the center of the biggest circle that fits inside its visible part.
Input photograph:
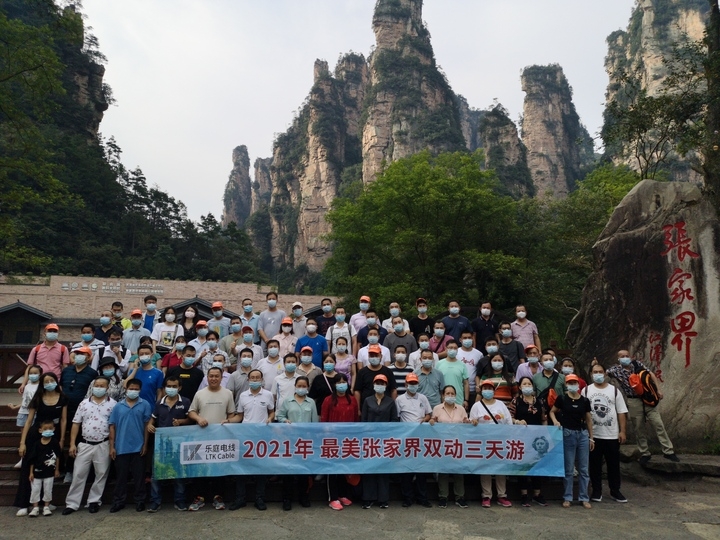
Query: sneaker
(644, 460)
(69, 511)
(367, 505)
(47, 511)
(596, 497)
(406, 503)
(181, 507)
(218, 503)
(345, 501)
(503, 501)
(68, 478)
(539, 500)
(140, 507)
(672, 457)
(93, 508)
(485, 503)
(383, 505)
(116, 508)
(525, 500)
(22, 512)
(336, 505)
(287, 505)
(154, 507)
(197, 504)
(260, 504)
(35, 512)
(425, 504)
(617, 496)
(442, 502)
(52, 507)
(461, 503)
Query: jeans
(178, 491)
(577, 447)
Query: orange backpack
(642, 384)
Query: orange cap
(217, 304)
(306, 348)
(135, 312)
(200, 323)
(531, 346)
(365, 298)
(380, 377)
(572, 377)
(286, 321)
(84, 350)
(374, 348)
(411, 377)
(52, 326)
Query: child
(44, 461)
(34, 374)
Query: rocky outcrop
(469, 123)
(410, 106)
(237, 198)
(655, 290)
(262, 186)
(497, 134)
(558, 144)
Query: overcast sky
(194, 79)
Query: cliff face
(237, 197)
(262, 186)
(410, 106)
(641, 49)
(558, 144)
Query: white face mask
(485, 312)
(169, 317)
(521, 314)
(311, 328)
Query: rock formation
(262, 186)
(410, 104)
(655, 290)
(558, 144)
(237, 197)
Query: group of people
(107, 394)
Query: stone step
(689, 464)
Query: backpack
(642, 384)
(550, 391)
(63, 348)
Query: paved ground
(668, 511)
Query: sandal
(566, 504)
(587, 505)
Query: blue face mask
(87, 338)
(202, 332)
(99, 392)
(235, 328)
(301, 392)
(246, 362)
(329, 368)
(254, 385)
(50, 387)
(133, 394)
(452, 353)
(364, 306)
(34, 377)
(625, 361)
(51, 336)
(136, 322)
(598, 378)
(399, 328)
(218, 313)
(327, 309)
(373, 340)
(340, 318)
(297, 312)
(108, 372)
(248, 337)
(171, 392)
(247, 309)
(290, 368)
(341, 387)
(48, 433)
(189, 360)
(151, 307)
(488, 394)
(104, 321)
(394, 312)
(179, 346)
(211, 343)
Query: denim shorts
(21, 419)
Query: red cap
(200, 323)
(217, 304)
(572, 377)
(374, 348)
(365, 298)
(531, 346)
(249, 328)
(136, 312)
(306, 348)
(286, 321)
(380, 377)
(52, 326)
(411, 377)
(487, 382)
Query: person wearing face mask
(219, 323)
(50, 355)
(190, 376)
(150, 316)
(422, 323)
(44, 458)
(576, 422)
(88, 339)
(340, 329)
(34, 374)
(200, 342)
(439, 340)
(359, 319)
(608, 411)
(527, 410)
(270, 320)
(400, 336)
(189, 318)
(388, 323)
(639, 413)
(207, 356)
(471, 357)
(249, 318)
(235, 337)
(246, 342)
(238, 381)
(306, 368)
(549, 379)
(504, 384)
(322, 386)
(569, 366)
(431, 381)
(485, 326)
(455, 324)
(491, 346)
(363, 386)
(455, 373)
(378, 407)
(272, 366)
(297, 408)
(298, 318)
(128, 423)
(89, 445)
(328, 318)
(400, 368)
(174, 357)
(412, 406)
(373, 323)
(373, 338)
(133, 335)
(316, 342)
(117, 314)
(532, 367)
(286, 339)
(109, 369)
(48, 404)
(165, 332)
(423, 345)
(284, 385)
(171, 411)
(345, 362)
(524, 330)
(115, 351)
(449, 412)
(218, 361)
(510, 348)
(107, 323)
(150, 377)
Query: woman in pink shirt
(450, 412)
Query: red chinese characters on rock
(676, 285)
(682, 326)
(676, 238)
(656, 354)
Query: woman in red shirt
(175, 357)
(340, 406)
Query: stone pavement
(670, 510)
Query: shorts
(21, 419)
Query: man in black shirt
(422, 324)
(485, 326)
(363, 384)
(190, 377)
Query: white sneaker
(52, 507)
(68, 478)
(47, 511)
(35, 512)
(22, 512)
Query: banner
(357, 448)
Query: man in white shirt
(395, 311)
(373, 339)
(471, 357)
(359, 319)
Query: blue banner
(357, 448)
